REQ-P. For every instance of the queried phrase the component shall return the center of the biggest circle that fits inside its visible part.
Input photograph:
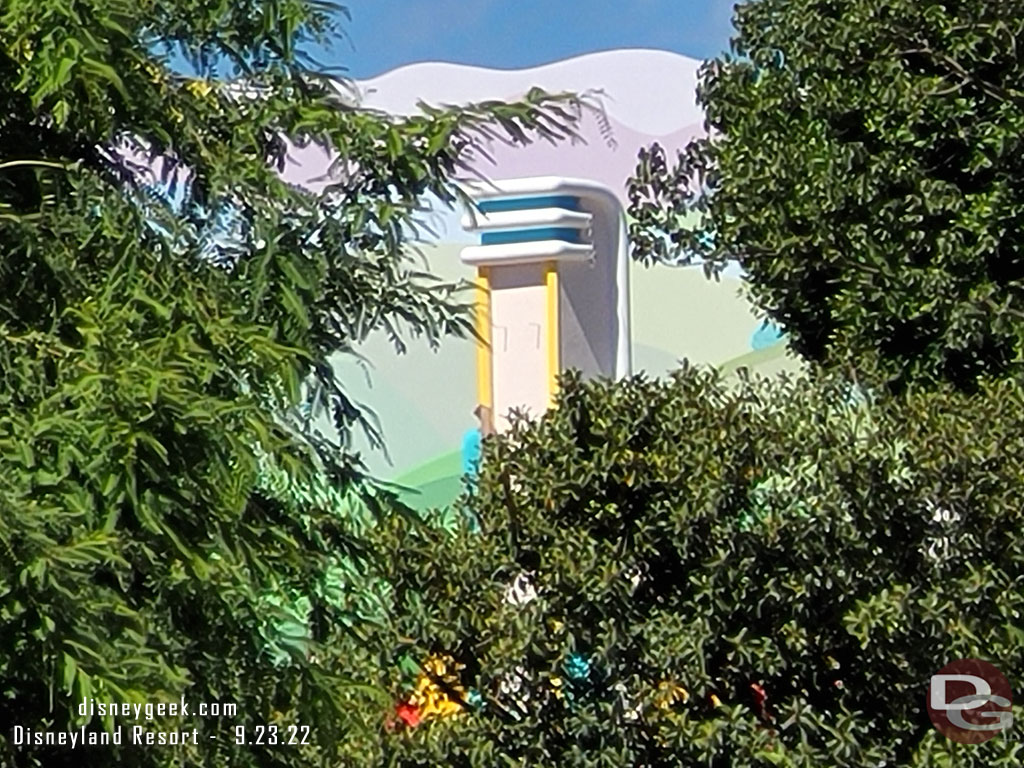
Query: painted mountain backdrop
(641, 96)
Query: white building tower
(553, 272)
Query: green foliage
(172, 522)
(655, 554)
(863, 164)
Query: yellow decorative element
(556, 683)
(156, 74)
(715, 701)
(554, 356)
(556, 625)
(199, 88)
(668, 694)
(435, 685)
(484, 366)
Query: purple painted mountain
(644, 96)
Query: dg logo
(969, 701)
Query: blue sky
(513, 34)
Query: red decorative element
(408, 714)
(760, 697)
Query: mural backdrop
(424, 400)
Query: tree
(863, 165)
(700, 572)
(172, 522)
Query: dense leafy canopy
(864, 165)
(689, 572)
(173, 524)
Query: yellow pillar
(554, 352)
(484, 365)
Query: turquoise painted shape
(472, 445)
(526, 203)
(568, 234)
(767, 335)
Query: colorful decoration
(438, 691)
(513, 688)
(760, 701)
(558, 684)
(669, 694)
(577, 667)
(408, 713)
(521, 591)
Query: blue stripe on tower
(566, 234)
(526, 203)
